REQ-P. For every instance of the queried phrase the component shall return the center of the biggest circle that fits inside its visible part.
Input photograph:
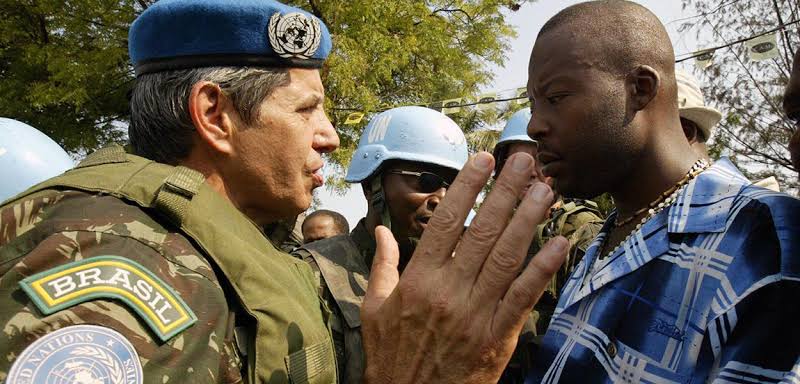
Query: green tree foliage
(64, 68)
(754, 131)
(481, 135)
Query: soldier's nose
(433, 199)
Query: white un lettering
(378, 131)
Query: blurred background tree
(754, 130)
(64, 68)
(64, 65)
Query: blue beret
(181, 34)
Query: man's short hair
(339, 221)
(161, 128)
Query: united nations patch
(294, 35)
(78, 354)
(111, 277)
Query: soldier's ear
(213, 116)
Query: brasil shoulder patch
(111, 277)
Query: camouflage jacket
(578, 221)
(286, 235)
(342, 265)
(136, 263)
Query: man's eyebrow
(314, 98)
(554, 79)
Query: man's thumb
(384, 275)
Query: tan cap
(770, 183)
(691, 105)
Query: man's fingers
(492, 218)
(384, 276)
(506, 258)
(447, 224)
(528, 287)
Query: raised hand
(455, 314)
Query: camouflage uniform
(342, 264)
(286, 235)
(579, 221)
(251, 313)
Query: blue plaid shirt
(706, 291)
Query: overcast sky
(527, 20)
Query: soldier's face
(279, 157)
(318, 228)
(585, 143)
(411, 203)
(529, 148)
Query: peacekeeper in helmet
(27, 157)
(577, 220)
(152, 268)
(405, 160)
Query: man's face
(278, 159)
(585, 142)
(791, 105)
(529, 148)
(319, 227)
(412, 199)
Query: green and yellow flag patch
(111, 277)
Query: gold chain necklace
(697, 167)
(665, 200)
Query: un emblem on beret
(294, 35)
(78, 354)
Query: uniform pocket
(313, 364)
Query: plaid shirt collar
(702, 206)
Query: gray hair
(161, 128)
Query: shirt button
(611, 349)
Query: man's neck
(660, 169)
(216, 181)
(372, 221)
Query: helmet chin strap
(380, 205)
(378, 201)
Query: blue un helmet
(27, 157)
(515, 131)
(415, 134)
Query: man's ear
(212, 115)
(642, 85)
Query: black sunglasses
(428, 182)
